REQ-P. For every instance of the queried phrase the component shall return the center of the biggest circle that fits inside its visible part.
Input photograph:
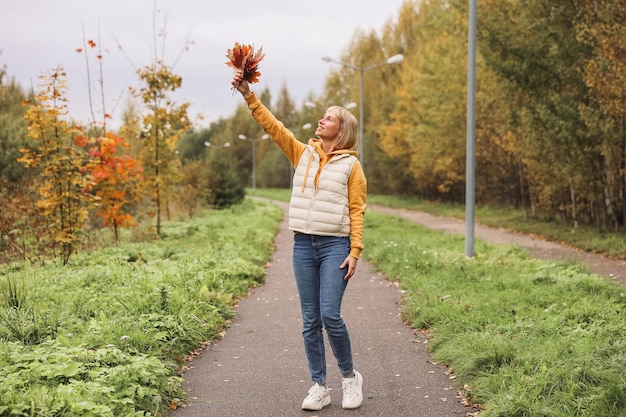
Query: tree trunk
(572, 195)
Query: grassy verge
(531, 338)
(281, 194)
(106, 335)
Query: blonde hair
(348, 128)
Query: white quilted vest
(322, 209)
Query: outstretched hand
(240, 84)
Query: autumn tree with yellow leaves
(602, 28)
(62, 186)
(163, 124)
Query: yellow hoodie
(293, 149)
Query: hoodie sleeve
(357, 195)
(282, 136)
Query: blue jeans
(316, 261)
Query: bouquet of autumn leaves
(244, 58)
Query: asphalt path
(259, 368)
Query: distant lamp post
(207, 146)
(391, 60)
(253, 141)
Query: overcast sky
(38, 35)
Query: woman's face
(329, 125)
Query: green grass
(531, 338)
(105, 335)
(281, 194)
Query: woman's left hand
(351, 263)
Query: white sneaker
(352, 391)
(318, 398)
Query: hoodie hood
(317, 145)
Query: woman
(326, 215)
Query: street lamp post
(254, 141)
(361, 70)
(470, 170)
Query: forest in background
(551, 111)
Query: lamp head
(395, 59)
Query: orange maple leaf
(91, 43)
(80, 141)
(244, 57)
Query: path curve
(612, 269)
